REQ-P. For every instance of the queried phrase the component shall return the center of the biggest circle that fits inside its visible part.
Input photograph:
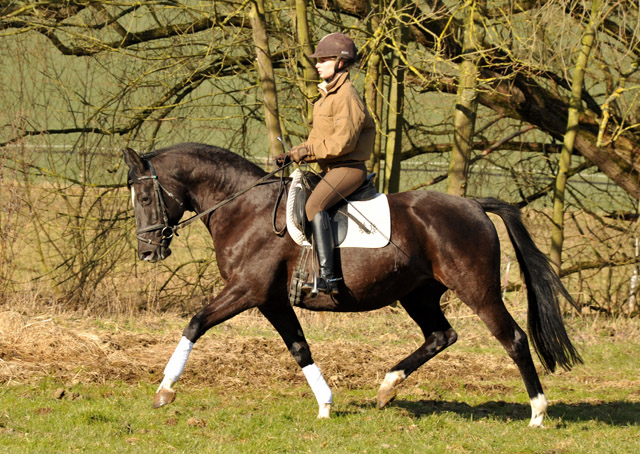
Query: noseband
(166, 229)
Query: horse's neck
(227, 188)
(217, 183)
(246, 216)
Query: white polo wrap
(175, 366)
(319, 387)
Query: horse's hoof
(389, 387)
(324, 411)
(163, 397)
(385, 396)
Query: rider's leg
(336, 183)
(323, 241)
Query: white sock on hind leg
(538, 410)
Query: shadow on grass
(615, 413)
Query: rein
(168, 230)
(259, 182)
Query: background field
(85, 385)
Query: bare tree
(395, 105)
(94, 76)
(266, 74)
(573, 124)
(309, 76)
(466, 98)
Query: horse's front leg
(284, 320)
(230, 302)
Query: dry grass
(354, 350)
(243, 351)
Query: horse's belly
(364, 293)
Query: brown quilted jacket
(342, 130)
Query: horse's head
(157, 210)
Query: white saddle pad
(372, 214)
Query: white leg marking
(175, 366)
(320, 389)
(538, 410)
(392, 379)
(325, 411)
(165, 383)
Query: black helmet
(336, 45)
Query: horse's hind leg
(514, 340)
(423, 306)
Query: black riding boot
(323, 241)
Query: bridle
(168, 230)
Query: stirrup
(332, 285)
(321, 285)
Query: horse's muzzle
(154, 255)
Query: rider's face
(326, 67)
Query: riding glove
(298, 153)
(282, 159)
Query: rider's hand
(297, 154)
(282, 159)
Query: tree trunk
(466, 100)
(573, 120)
(374, 87)
(266, 75)
(309, 77)
(375, 102)
(394, 116)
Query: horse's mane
(209, 153)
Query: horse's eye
(145, 200)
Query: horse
(438, 242)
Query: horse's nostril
(147, 256)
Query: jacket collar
(328, 87)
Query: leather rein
(167, 230)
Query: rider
(341, 140)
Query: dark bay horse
(438, 242)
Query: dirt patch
(75, 351)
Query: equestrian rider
(341, 140)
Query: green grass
(477, 404)
(117, 417)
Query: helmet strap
(337, 69)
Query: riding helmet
(336, 45)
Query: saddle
(338, 213)
(360, 221)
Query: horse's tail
(545, 323)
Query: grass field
(85, 385)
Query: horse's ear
(133, 159)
